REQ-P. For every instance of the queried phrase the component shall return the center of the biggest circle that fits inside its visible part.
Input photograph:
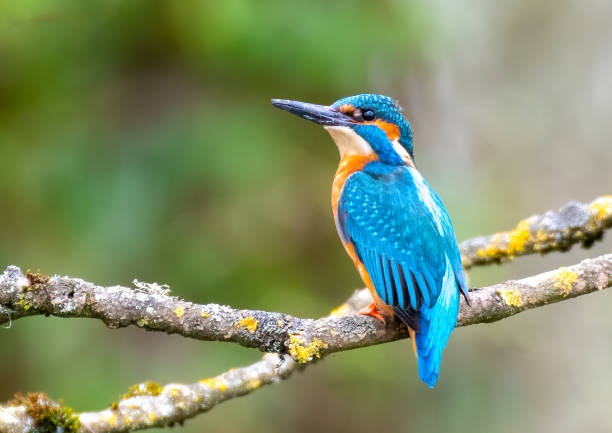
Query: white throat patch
(348, 141)
(403, 153)
(351, 143)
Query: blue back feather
(405, 239)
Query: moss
(302, 352)
(145, 388)
(179, 312)
(48, 416)
(564, 280)
(249, 323)
(511, 297)
(36, 279)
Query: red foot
(371, 310)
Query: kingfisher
(391, 222)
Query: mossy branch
(149, 405)
(296, 341)
(559, 230)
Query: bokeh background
(137, 141)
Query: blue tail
(435, 326)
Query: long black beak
(321, 114)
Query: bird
(391, 223)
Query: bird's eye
(368, 115)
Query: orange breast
(349, 164)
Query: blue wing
(405, 239)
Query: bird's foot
(371, 310)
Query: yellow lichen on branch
(144, 388)
(179, 312)
(516, 241)
(602, 207)
(552, 231)
(214, 383)
(564, 280)
(249, 323)
(518, 238)
(303, 352)
(511, 297)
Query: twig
(554, 231)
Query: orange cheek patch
(392, 131)
(346, 109)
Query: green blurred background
(137, 141)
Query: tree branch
(148, 405)
(574, 223)
(296, 341)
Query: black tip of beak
(321, 114)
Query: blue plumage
(386, 109)
(392, 224)
(405, 239)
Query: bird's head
(367, 124)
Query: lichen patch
(564, 280)
(303, 352)
(511, 297)
(249, 323)
(144, 388)
(111, 419)
(23, 302)
(602, 207)
(214, 383)
(518, 238)
(253, 384)
(179, 312)
(509, 244)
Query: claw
(371, 310)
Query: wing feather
(402, 234)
